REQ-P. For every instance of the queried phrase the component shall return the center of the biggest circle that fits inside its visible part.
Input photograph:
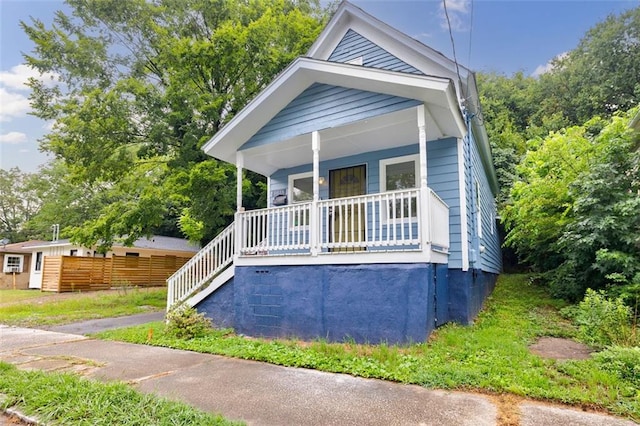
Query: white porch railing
(201, 268)
(385, 221)
(388, 221)
(438, 223)
(369, 221)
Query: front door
(349, 219)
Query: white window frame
(291, 179)
(37, 266)
(383, 176)
(7, 269)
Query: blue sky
(503, 36)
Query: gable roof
(437, 92)
(461, 92)
(415, 53)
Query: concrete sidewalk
(97, 325)
(264, 394)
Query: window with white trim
(300, 191)
(13, 263)
(400, 173)
(38, 261)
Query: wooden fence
(73, 273)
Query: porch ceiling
(443, 117)
(388, 131)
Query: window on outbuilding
(13, 263)
(38, 261)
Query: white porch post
(425, 198)
(239, 167)
(313, 219)
(239, 226)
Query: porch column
(239, 167)
(425, 197)
(313, 217)
(238, 222)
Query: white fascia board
(264, 100)
(305, 71)
(52, 244)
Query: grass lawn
(13, 296)
(490, 356)
(68, 399)
(28, 308)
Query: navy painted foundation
(397, 303)
(467, 293)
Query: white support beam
(239, 172)
(422, 140)
(313, 219)
(425, 198)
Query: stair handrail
(212, 259)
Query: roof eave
(305, 71)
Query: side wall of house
(485, 242)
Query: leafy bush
(603, 321)
(624, 362)
(185, 322)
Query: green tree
(507, 105)
(541, 204)
(597, 78)
(142, 85)
(575, 211)
(20, 200)
(602, 244)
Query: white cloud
(48, 125)
(543, 69)
(12, 105)
(457, 11)
(17, 77)
(13, 101)
(13, 138)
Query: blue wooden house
(381, 217)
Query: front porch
(391, 227)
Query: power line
(470, 35)
(453, 45)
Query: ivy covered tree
(142, 85)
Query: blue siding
(353, 46)
(442, 177)
(491, 259)
(323, 106)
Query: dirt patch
(557, 348)
(508, 407)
